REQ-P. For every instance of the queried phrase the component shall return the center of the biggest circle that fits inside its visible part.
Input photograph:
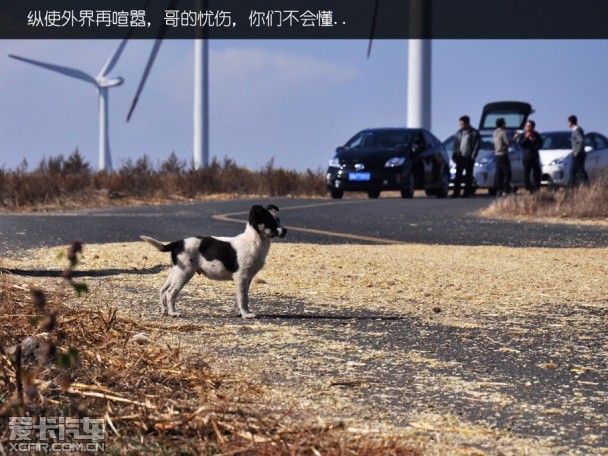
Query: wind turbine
(102, 83)
(200, 150)
(418, 65)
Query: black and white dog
(221, 258)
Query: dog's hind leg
(179, 278)
(163, 293)
(242, 296)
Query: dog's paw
(248, 315)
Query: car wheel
(373, 194)
(444, 187)
(492, 191)
(408, 186)
(336, 193)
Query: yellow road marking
(230, 218)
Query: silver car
(484, 172)
(558, 171)
(516, 115)
(557, 145)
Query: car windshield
(561, 140)
(385, 139)
(512, 119)
(487, 143)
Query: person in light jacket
(578, 153)
(502, 181)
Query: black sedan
(404, 159)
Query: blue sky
(294, 100)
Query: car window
(512, 119)
(600, 141)
(557, 141)
(428, 138)
(383, 139)
(389, 139)
(449, 143)
(487, 143)
(357, 141)
(589, 142)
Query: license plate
(359, 176)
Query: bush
(584, 202)
(60, 181)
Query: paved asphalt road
(419, 220)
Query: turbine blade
(371, 35)
(159, 38)
(111, 62)
(72, 72)
(144, 77)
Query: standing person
(464, 153)
(502, 181)
(578, 153)
(531, 142)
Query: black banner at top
(301, 19)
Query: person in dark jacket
(530, 142)
(464, 153)
(578, 153)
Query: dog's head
(265, 220)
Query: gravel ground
(467, 350)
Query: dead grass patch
(587, 203)
(318, 367)
(60, 182)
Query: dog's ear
(272, 207)
(254, 215)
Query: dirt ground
(465, 350)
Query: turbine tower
(102, 83)
(200, 149)
(419, 66)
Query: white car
(557, 146)
(558, 171)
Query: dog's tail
(159, 245)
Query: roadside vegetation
(584, 202)
(59, 360)
(70, 182)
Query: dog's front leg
(242, 296)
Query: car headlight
(334, 162)
(395, 161)
(482, 162)
(558, 161)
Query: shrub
(59, 181)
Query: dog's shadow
(330, 317)
(81, 273)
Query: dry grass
(581, 203)
(317, 365)
(69, 182)
(153, 397)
